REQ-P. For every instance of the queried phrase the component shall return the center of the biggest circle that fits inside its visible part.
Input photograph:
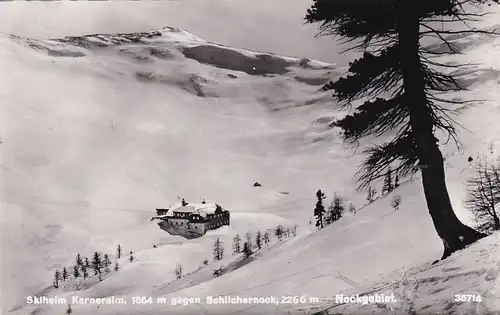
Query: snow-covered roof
(187, 209)
(199, 208)
(162, 216)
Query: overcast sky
(264, 25)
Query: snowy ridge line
(176, 44)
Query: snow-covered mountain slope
(94, 138)
(98, 131)
(464, 284)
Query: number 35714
(468, 298)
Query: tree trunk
(454, 234)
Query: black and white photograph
(250, 157)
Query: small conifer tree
(57, 277)
(96, 263)
(85, 272)
(79, 261)
(247, 250)
(279, 232)
(178, 271)
(249, 238)
(371, 194)
(237, 244)
(64, 274)
(266, 237)
(388, 186)
(258, 240)
(319, 210)
(218, 249)
(106, 262)
(336, 209)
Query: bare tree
(483, 195)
